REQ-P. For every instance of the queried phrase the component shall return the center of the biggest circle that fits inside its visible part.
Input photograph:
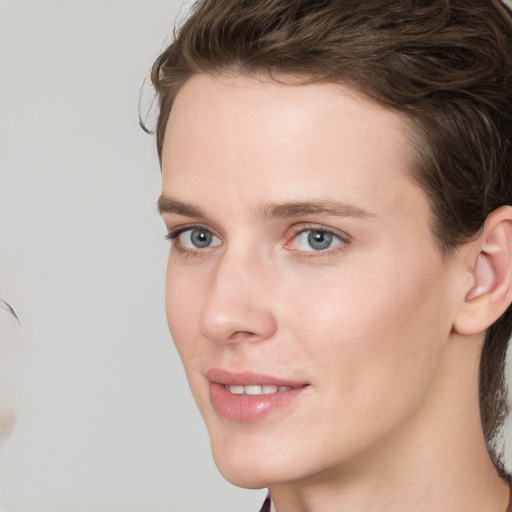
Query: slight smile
(249, 397)
(266, 389)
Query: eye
(194, 238)
(314, 240)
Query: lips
(249, 397)
(228, 378)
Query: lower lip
(249, 408)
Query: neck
(437, 460)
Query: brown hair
(445, 64)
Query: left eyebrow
(316, 207)
(166, 204)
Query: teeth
(236, 390)
(253, 390)
(257, 390)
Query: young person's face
(302, 257)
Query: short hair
(446, 65)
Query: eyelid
(345, 239)
(174, 236)
(178, 230)
(298, 229)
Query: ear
(489, 292)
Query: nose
(239, 304)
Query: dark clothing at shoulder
(266, 504)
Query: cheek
(182, 303)
(183, 299)
(373, 333)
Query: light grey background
(107, 423)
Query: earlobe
(490, 293)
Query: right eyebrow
(166, 204)
(314, 207)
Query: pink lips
(249, 408)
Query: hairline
(414, 132)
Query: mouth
(255, 389)
(248, 397)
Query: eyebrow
(168, 204)
(315, 207)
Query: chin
(251, 476)
(242, 462)
(255, 463)
(247, 480)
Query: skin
(367, 324)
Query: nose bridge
(238, 302)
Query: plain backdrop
(107, 422)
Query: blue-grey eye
(319, 240)
(316, 240)
(197, 238)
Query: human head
(445, 65)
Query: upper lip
(230, 378)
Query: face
(305, 293)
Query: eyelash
(343, 238)
(174, 235)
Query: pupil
(200, 238)
(319, 240)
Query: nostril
(228, 318)
(239, 335)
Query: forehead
(264, 105)
(257, 139)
